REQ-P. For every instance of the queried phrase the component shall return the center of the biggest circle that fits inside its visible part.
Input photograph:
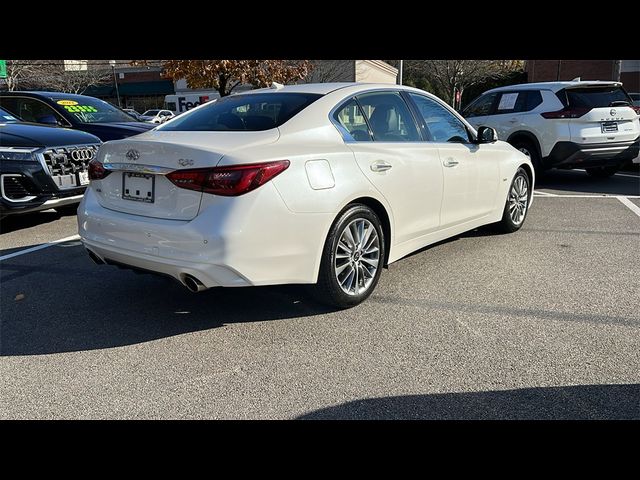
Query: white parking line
(545, 194)
(632, 206)
(571, 195)
(40, 247)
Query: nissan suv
(578, 124)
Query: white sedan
(318, 184)
(157, 116)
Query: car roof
(555, 86)
(45, 94)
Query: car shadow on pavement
(581, 183)
(27, 220)
(103, 311)
(580, 402)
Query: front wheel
(352, 259)
(602, 172)
(517, 204)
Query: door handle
(513, 120)
(450, 162)
(380, 166)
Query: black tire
(529, 149)
(328, 289)
(507, 224)
(602, 172)
(65, 210)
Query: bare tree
(52, 75)
(331, 71)
(75, 81)
(19, 71)
(450, 76)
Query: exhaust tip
(96, 259)
(193, 284)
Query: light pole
(400, 73)
(115, 80)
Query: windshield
(92, 110)
(250, 112)
(6, 117)
(151, 113)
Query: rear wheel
(528, 148)
(517, 204)
(352, 258)
(602, 172)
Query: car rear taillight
(97, 170)
(566, 113)
(636, 109)
(228, 181)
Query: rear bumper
(237, 241)
(577, 155)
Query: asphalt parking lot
(543, 323)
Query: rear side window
(351, 118)
(518, 102)
(593, 97)
(481, 107)
(252, 112)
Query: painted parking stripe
(570, 195)
(40, 247)
(632, 206)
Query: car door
(470, 172)
(387, 144)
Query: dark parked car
(79, 112)
(41, 166)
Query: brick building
(625, 71)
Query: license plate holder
(138, 187)
(609, 127)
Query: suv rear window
(592, 97)
(249, 112)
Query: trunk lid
(137, 184)
(607, 118)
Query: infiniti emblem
(612, 112)
(133, 155)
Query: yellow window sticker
(67, 102)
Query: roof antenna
(577, 79)
(276, 85)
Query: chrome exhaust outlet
(96, 259)
(193, 284)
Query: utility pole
(617, 69)
(400, 73)
(115, 80)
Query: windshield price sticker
(80, 108)
(508, 101)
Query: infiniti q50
(320, 184)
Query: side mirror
(487, 135)
(48, 120)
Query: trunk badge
(133, 155)
(185, 162)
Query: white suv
(577, 124)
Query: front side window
(440, 124)
(31, 110)
(481, 107)
(249, 112)
(389, 117)
(351, 118)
